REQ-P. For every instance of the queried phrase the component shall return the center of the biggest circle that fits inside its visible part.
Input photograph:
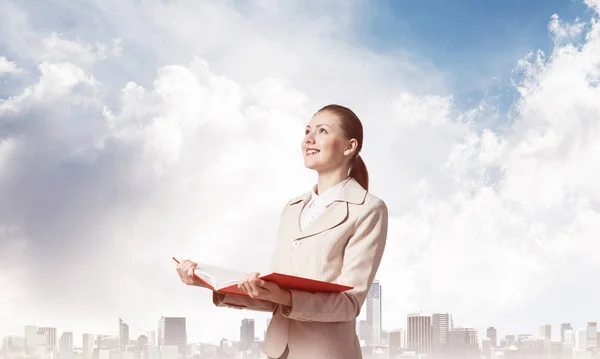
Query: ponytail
(359, 172)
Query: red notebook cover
(286, 281)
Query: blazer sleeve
(361, 261)
(242, 302)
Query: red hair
(352, 128)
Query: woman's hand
(261, 289)
(185, 269)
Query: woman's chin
(311, 166)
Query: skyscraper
(246, 334)
(374, 313)
(65, 348)
(441, 325)
(173, 332)
(463, 343)
(419, 333)
(88, 346)
(50, 338)
(492, 334)
(123, 335)
(397, 341)
(546, 331)
(592, 334)
(31, 339)
(563, 328)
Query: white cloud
(563, 31)
(8, 67)
(183, 139)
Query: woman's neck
(330, 179)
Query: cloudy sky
(132, 131)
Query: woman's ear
(351, 147)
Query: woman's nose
(309, 138)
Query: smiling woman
(336, 233)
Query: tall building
(569, 337)
(546, 331)
(31, 339)
(246, 334)
(374, 314)
(172, 332)
(592, 334)
(87, 351)
(397, 341)
(563, 328)
(463, 344)
(42, 344)
(492, 334)
(50, 338)
(441, 325)
(462, 336)
(123, 335)
(141, 347)
(581, 339)
(486, 347)
(419, 333)
(65, 347)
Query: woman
(336, 233)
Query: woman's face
(324, 147)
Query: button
(296, 243)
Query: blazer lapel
(335, 214)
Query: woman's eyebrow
(319, 125)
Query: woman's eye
(322, 130)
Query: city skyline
(171, 333)
(369, 314)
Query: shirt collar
(330, 195)
(352, 192)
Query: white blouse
(319, 203)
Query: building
(87, 351)
(492, 335)
(463, 344)
(397, 341)
(374, 314)
(592, 335)
(31, 340)
(563, 328)
(123, 335)
(50, 338)
(419, 333)
(440, 327)
(546, 331)
(65, 347)
(172, 332)
(246, 334)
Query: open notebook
(225, 280)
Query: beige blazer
(343, 245)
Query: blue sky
(476, 43)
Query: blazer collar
(352, 192)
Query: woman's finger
(191, 268)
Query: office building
(419, 333)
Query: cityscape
(426, 336)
